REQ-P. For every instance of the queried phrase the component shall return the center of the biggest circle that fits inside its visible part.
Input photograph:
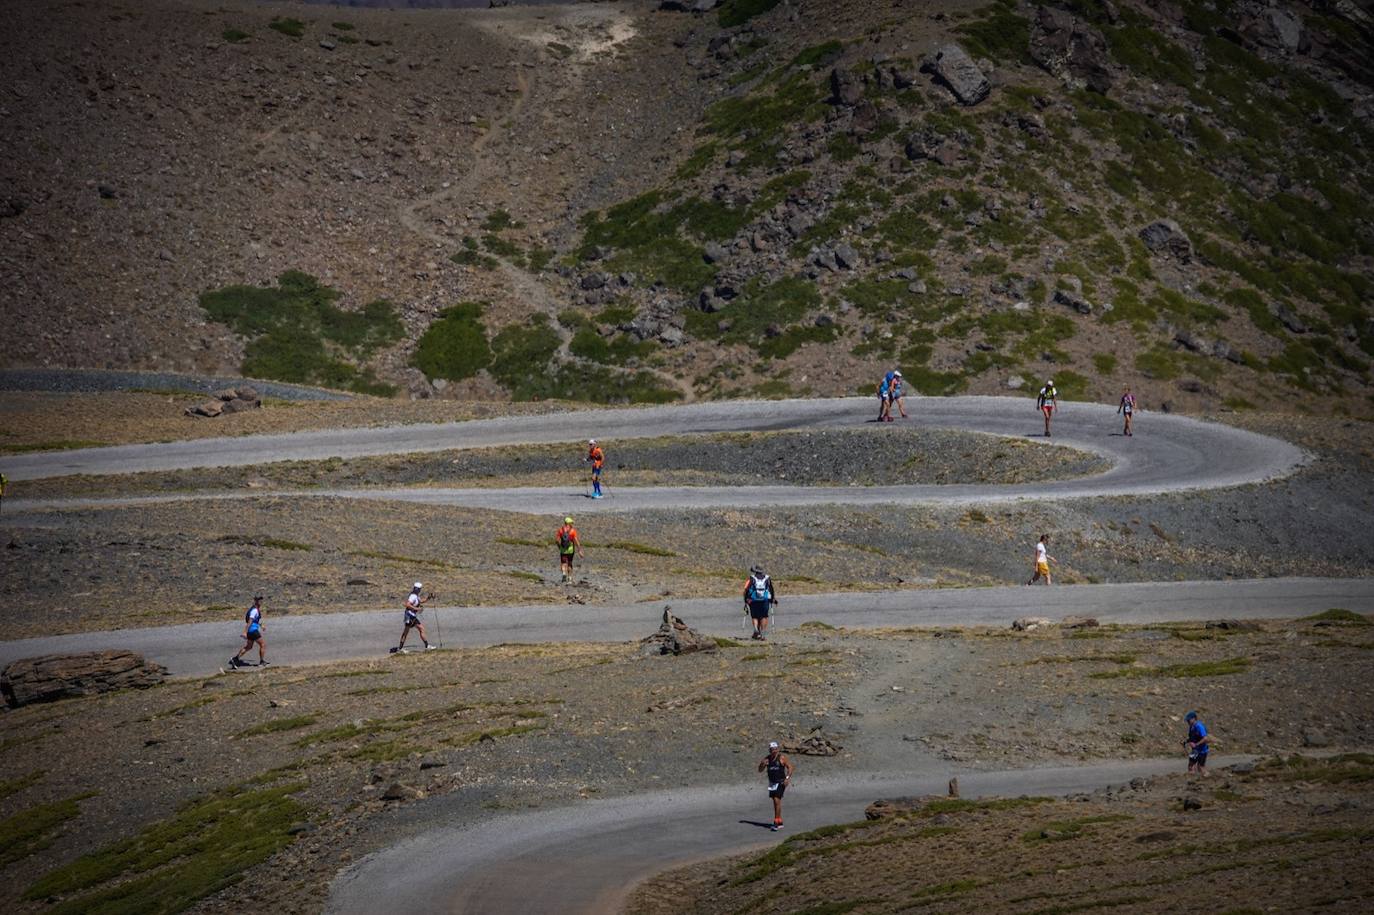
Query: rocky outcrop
(675, 637)
(1031, 623)
(1165, 236)
(815, 745)
(952, 66)
(229, 400)
(1070, 49)
(845, 88)
(57, 676)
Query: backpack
(760, 588)
(565, 537)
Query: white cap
(772, 744)
(1050, 383)
(896, 374)
(591, 441)
(419, 585)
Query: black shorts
(778, 791)
(758, 609)
(412, 620)
(1198, 759)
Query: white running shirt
(1040, 554)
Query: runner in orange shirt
(597, 458)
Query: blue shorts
(596, 471)
(254, 633)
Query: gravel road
(1170, 453)
(202, 648)
(68, 381)
(587, 858)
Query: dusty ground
(1287, 835)
(863, 457)
(569, 722)
(46, 422)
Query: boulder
(845, 88)
(952, 66)
(1233, 625)
(1079, 622)
(57, 676)
(1165, 235)
(1069, 48)
(228, 400)
(885, 808)
(1288, 317)
(1030, 623)
(846, 257)
(1073, 300)
(400, 791)
(675, 637)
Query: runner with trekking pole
(414, 606)
(252, 632)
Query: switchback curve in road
(1169, 454)
(587, 858)
(202, 648)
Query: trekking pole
(438, 629)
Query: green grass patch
(737, 12)
(474, 737)
(524, 576)
(722, 642)
(818, 55)
(342, 26)
(1000, 35)
(1105, 363)
(15, 785)
(1338, 615)
(34, 829)
(1064, 830)
(271, 543)
(234, 36)
(1343, 768)
(632, 547)
(169, 866)
(454, 346)
(295, 333)
(291, 28)
(1196, 669)
(817, 624)
(279, 725)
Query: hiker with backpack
(252, 632)
(568, 547)
(1198, 743)
(885, 399)
(896, 396)
(760, 596)
(415, 605)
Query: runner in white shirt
(1042, 561)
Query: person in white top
(1042, 561)
(415, 604)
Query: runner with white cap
(415, 604)
(1048, 402)
(779, 769)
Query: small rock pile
(229, 400)
(675, 637)
(56, 676)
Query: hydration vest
(760, 588)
